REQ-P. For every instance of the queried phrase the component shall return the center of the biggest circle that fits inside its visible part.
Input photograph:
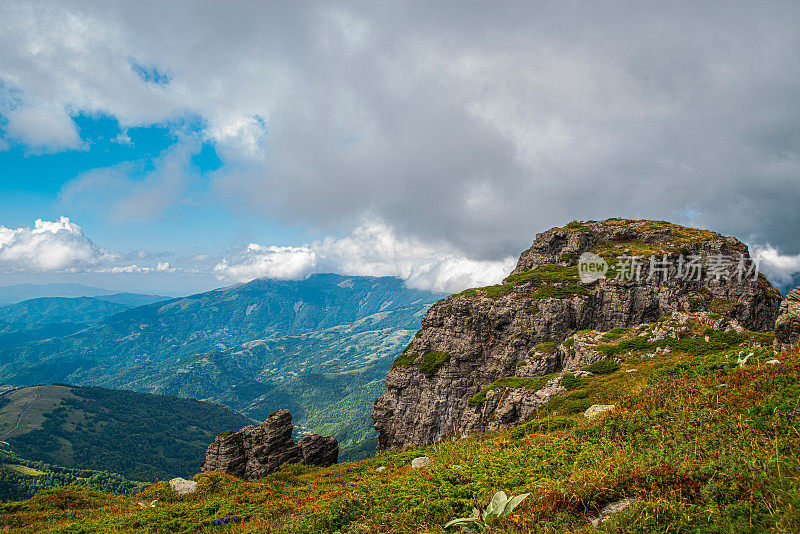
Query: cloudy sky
(186, 145)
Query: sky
(178, 146)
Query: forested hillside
(140, 436)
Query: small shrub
(548, 347)
(533, 310)
(432, 361)
(571, 382)
(578, 406)
(406, 360)
(603, 367)
(225, 434)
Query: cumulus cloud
(49, 246)
(282, 263)
(472, 123)
(371, 250)
(781, 269)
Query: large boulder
(255, 451)
(471, 340)
(319, 450)
(787, 326)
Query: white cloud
(283, 263)
(49, 246)
(43, 130)
(779, 268)
(370, 250)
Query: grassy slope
(708, 448)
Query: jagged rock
(596, 409)
(773, 362)
(420, 462)
(319, 450)
(256, 451)
(381, 469)
(516, 404)
(470, 340)
(787, 326)
(181, 486)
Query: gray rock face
(471, 339)
(256, 451)
(787, 326)
(319, 450)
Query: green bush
(571, 382)
(432, 361)
(603, 367)
(578, 406)
(406, 360)
(548, 347)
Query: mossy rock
(547, 347)
(534, 383)
(405, 360)
(432, 361)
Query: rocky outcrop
(474, 339)
(256, 451)
(787, 326)
(319, 450)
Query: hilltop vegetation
(140, 436)
(711, 450)
(22, 479)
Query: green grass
(533, 383)
(603, 367)
(713, 452)
(405, 360)
(571, 382)
(546, 281)
(548, 347)
(432, 361)
(694, 346)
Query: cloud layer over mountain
(469, 122)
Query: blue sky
(192, 146)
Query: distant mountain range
(320, 346)
(48, 317)
(18, 292)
